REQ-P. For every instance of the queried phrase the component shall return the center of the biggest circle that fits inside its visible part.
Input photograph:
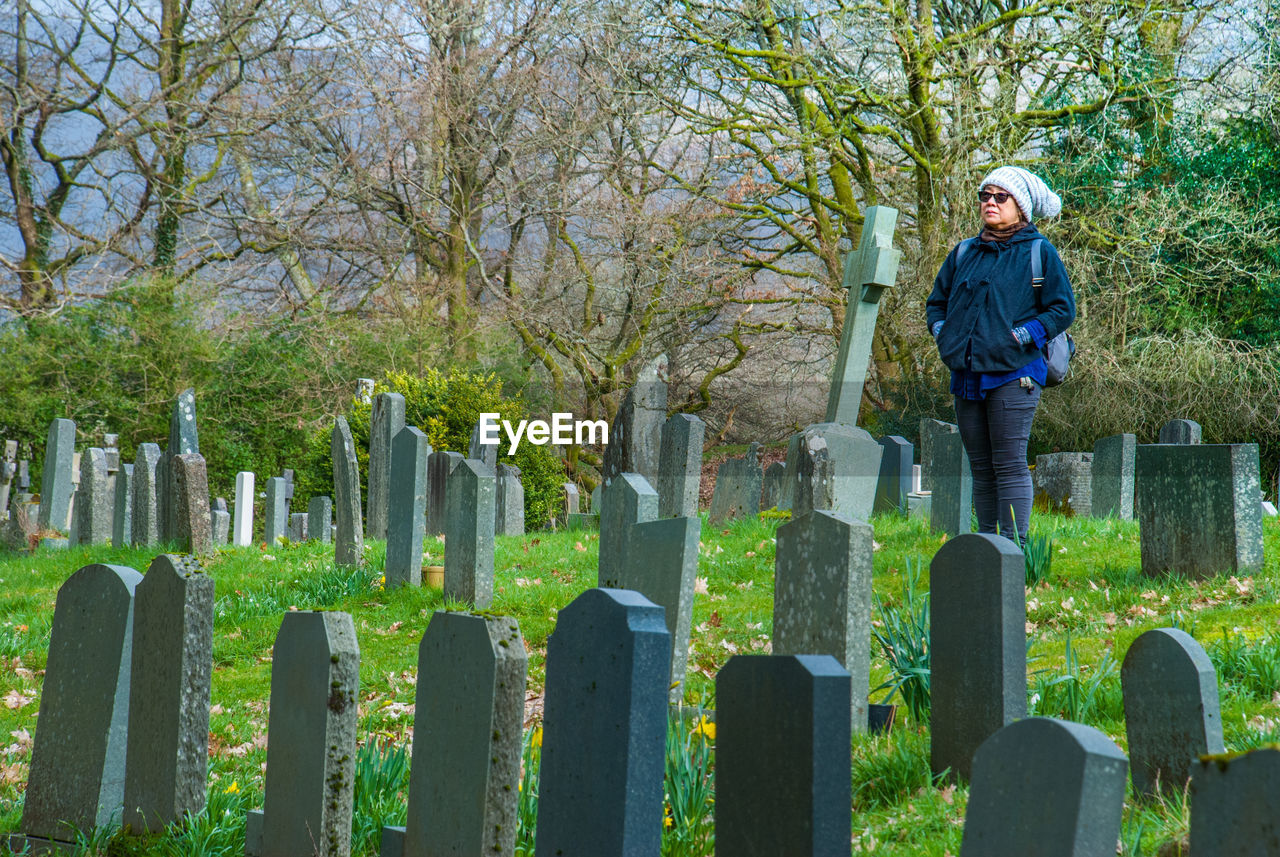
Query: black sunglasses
(1000, 198)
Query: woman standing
(989, 323)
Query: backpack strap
(1037, 268)
(963, 247)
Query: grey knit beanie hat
(1029, 190)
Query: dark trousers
(995, 432)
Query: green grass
(1081, 618)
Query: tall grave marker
(349, 547)
(468, 546)
(408, 506)
(680, 466)
(56, 482)
(146, 496)
(183, 440)
(387, 422)
(626, 501)
(635, 439)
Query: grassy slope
(1095, 598)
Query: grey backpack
(1058, 351)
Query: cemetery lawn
(1080, 622)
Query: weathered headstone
(320, 518)
(680, 466)
(111, 448)
(930, 431)
(122, 519)
(192, 524)
(364, 390)
(486, 452)
(822, 596)
(508, 501)
(311, 739)
(463, 783)
(868, 271)
(660, 561)
(1063, 481)
(635, 438)
(782, 757)
(8, 470)
(951, 501)
(977, 646)
(832, 466)
(93, 503)
(183, 440)
(440, 465)
(77, 772)
(170, 686)
(20, 529)
(468, 541)
(56, 482)
(894, 483)
(738, 485)
(242, 531)
(1198, 509)
(771, 488)
(349, 542)
(406, 520)
(572, 500)
(1180, 431)
(221, 525)
(275, 512)
(1045, 788)
(387, 422)
(1171, 713)
(627, 501)
(146, 492)
(604, 741)
(1233, 804)
(297, 530)
(1112, 475)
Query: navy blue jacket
(988, 294)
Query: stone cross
(170, 685)
(977, 642)
(311, 739)
(782, 721)
(604, 742)
(1045, 787)
(868, 271)
(463, 783)
(78, 760)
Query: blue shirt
(973, 386)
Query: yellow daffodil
(706, 728)
(536, 739)
(234, 788)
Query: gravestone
(275, 509)
(894, 482)
(572, 500)
(387, 422)
(468, 541)
(311, 739)
(406, 520)
(604, 739)
(1233, 804)
(93, 503)
(822, 597)
(1063, 481)
(868, 271)
(834, 467)
(111, 448)
(737, 490)
(77, 772)
(469, 711)
(582, 521)
(977, 645)
(930, 431)
(349, 542)
(56, 482)
(287, 475)
(635, 438)
(122, 519)
(192, 523)
(1198, 509)
(183, 440)
(19, 530)
(508, 502)
(170, 686)
(440, 465)
(242, 530)
(1180, 431)
(951, 500)
(297, 531)
(1171, 713)
(364, 390)
(771, 487)
(221, 525)
(320, 518)
(146, 494)
(680, 466)
(485, 452)
(782, 757)
(625, 502)
(594, 505)
(1112, 475)
(1045, 788)
(660, 561)
(8, 470)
